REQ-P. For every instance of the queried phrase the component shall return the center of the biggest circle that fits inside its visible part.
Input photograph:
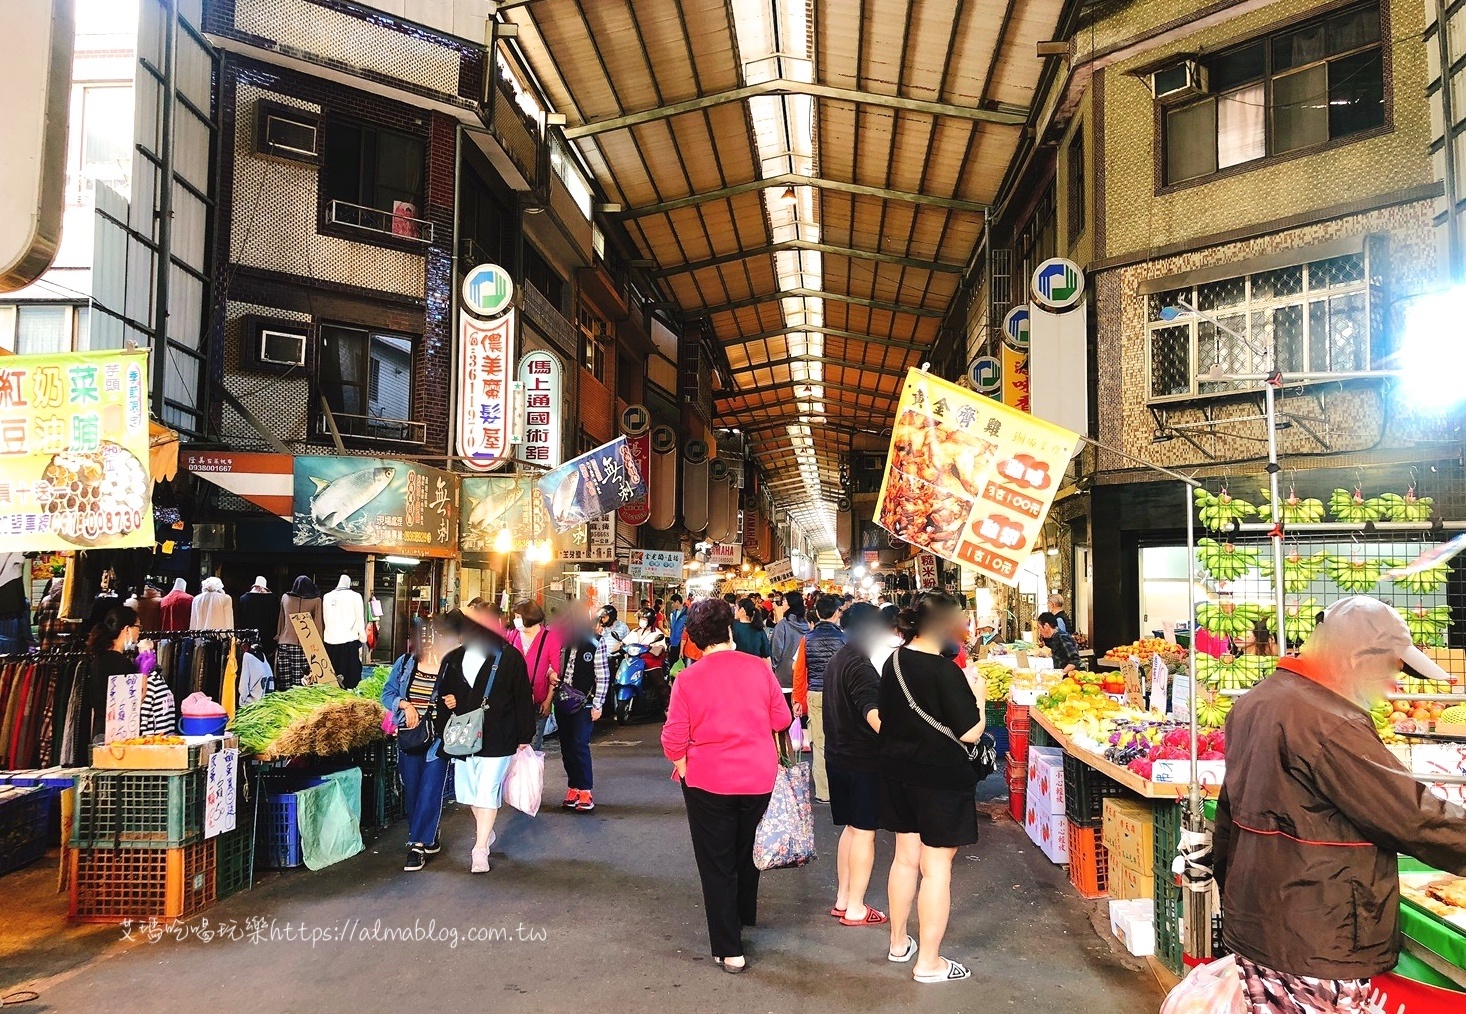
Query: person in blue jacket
(676, 625)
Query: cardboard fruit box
(193, 752)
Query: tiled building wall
(281, 402)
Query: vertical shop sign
(539, 375)
(662, 478)
(485, 350)
(969, 479)
(636, 424)
(719, 494)
(222, 789)
(695, 486)
(1013, 385)
(926, 571)
(74, 468)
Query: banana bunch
(1383, 727)
(1299, 571)
(1405, 508)
(1233, 672)
(1355, 576)
(1428, 624)
(1298, 620)
(1229, 619)
(1423, 582)
(1295, 511)
(1218, 510)
(998, 677)
(1224, 560)
(1211, 711)
(1347, 506)
(1419, 685)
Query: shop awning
(162, 452)
(265, 480)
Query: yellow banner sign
(968, 478)
(1015, 379)
(74, 468)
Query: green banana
(1225, 561)
(1229, 619)
(1299, 571)
(1428, 624)
(1352, 507)
(1295, 511)
(1218, 510)
(1405, 508)
(1355, 576)
(1423, 582)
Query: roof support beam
(829, 297)
(829, 332)
(784, 389)
(840, 364)
(1008, 115)
(800, 180)
(821, 248)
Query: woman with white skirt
(487, 672)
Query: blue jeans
(575, 731)
(422, 787)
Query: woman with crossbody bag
(931, 721)
(541, 648)
(484, 687)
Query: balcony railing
(399, 224)
(369, 427)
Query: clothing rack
(240, 634)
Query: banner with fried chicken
(968, 478)
(74, 469)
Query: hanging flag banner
(539, 375)
(485, 352)
(491, 503)
(596, 483)
(655, 565)
(780, 571)
(74, 468)
(969, 479)
(376, 505)
(662, 478)
(1015, 379)
(720, 495)
(636, 424)
(695, 486)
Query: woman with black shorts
(853, 760)
(927, 780)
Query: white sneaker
(493, 837)
(480, 861)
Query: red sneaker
(572, 797)
(585, 804)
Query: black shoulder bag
(982, 755)
(420, 738)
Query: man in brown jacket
(1314, 812)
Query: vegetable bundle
(319, 720)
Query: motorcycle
(631, 680)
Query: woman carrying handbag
(410, 697)
(579, 696)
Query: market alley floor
(610, 913)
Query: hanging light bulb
(790, 197)
(504, 541)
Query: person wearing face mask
(109, 643)
(926, 706)
(1313, 813)
(541, 647)
(487, 668)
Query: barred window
(1310, 318)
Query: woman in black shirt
(927, 780)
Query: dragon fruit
(1143, 768)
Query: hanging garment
(212, 608)
(259, 611)
(177, 609)
(256, 678)
(229, 690)
(291, 667)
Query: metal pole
(1276, 535)
(169, 87)
(1453, 196)
(1195, 792)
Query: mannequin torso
(342, 615)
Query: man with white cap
(1314, 812)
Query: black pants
(346, 660)
(722, 840)
(575, 730)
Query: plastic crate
(1039, 736)
(1167, 839)
(138, 809)
(1085, 790)
(1018, 740)
(113, 885)
(277, 844)
(236, 853)
(1000, 740)
(25, 822)
(1016, 717)
(1089, 862)
(1169, 939)
(1017, 800)
(996, 713)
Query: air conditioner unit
(282, 348)
(285, 132)
(1178, 82)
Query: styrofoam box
(1046, 776)
(1143, 908)
(1207, 772)
(1139, 937)
(1049, 831)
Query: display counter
(1173, 791)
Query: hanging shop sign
(265, 480)
(926, 571)
(986, 375)
(489, 504)
(695, 486)
(74, 468)
(655, 565)
(996, 472)
(621, 585)
(1015, 328)
(725, 554)
(596, 483)
(1015, 379)
(636, 424)
(748, 524)
(662, 478)
(780, 571)
(376, 505)
(539, 375)
(485, 351)
(592, 542)
(1058, 284)
(488, 291)
(720, 498)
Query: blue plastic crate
(1000, 739)
(25, 822)
(278, 845)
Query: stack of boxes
(1129, 836)
(1044, 818)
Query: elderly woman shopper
(719, 736)
(410, 694)
(487, 672)
(928, 709)
(541, 647)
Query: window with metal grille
(366, 378)
(1312, 84)
(1074, 191)
(1309, 318)
(373, 168)
(595, 332)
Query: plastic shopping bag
(796, 734)
(1213, 988)
(524, 783)
(785, 835)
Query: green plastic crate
(1166, 838)
(236, 854)
(996, 713)
(138, 809)
(1169, 945)
(1039, 736)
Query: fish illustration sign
(376, 505)
(492, 503)
(596, 483)
(1058, 284)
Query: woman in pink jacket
(719, 736)
(541, 648)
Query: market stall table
(1173, 791)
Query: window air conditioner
(282, 348)
(286, 132)
(1178, 82)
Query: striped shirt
(158, 711)
(420, 688)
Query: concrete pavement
(593, 911)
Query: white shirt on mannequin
(343, 615)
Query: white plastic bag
(796, 734)
(1213, 988)
(524, 782)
